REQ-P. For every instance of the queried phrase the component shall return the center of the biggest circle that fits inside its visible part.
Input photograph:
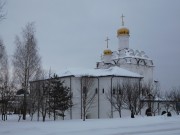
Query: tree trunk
(84, 114)
(32, 114)
(44, 118)
(54, 115)
(24, 109)
(120, 113)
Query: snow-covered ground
(158, 125)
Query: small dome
(123, 31)
(107, 52)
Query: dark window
(103, 90)
(84, 90)
(96, 91)
(113, 91)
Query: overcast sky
(72, 33)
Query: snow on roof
(112, 71)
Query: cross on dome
(107, 41)
(122, 19)
(107, 51)
(123, 31)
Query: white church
(114, 67)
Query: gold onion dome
(123, 32)
(107, 52)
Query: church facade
(115, 67)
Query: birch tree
(5, 85)
(88, 96)
(26, 60)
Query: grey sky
(71, 33)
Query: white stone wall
(75, 112)
(123, 42)
(104, 105)
(145, 71)
(107, 58)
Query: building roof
(112, 71)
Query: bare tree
(168, 104)
(126, 95)
(44, 95)
(5, 85)
(137, 106)
(6, 99)
(39, 98)
(132, 98)
(155, 93)
(151, 92)
(1, 49)
(36, 93)
(175, 96)
(146, 89)
(4, 67)
(33, 97)
(39, 94)
(116, 97)
(26, 60)
(2, 14)
(87, 95)
(44, 98)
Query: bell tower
(123, 36)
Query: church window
(113, 91)
(97, 64)
(103, 90)
(96, 91)
(84, 90)
(120, 92)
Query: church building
(113, 68)
(127, 58)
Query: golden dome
(107, 52)
(123, 32)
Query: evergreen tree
(60, 97)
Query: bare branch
(2, 14)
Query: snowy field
(159, 125)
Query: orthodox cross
(107, 41)
(122, 19)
